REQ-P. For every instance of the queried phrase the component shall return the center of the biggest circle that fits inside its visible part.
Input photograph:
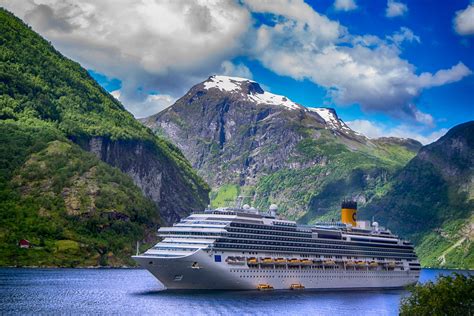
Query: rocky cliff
(156, 174)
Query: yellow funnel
(349, 213)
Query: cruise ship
(244, 249)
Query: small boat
(294, 260)
(252, 260)
(306, 261)
(296, 286)
(267, 260)
(235, 260)
(264, 287)
(280, 260)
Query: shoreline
(79, 267)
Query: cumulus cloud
(464, 21)
(365, 69)
(376, 130)
(152, 104)
(395, 8)
(168, 46)
(235, 70)
(345, 5)
(164, 46)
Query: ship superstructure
(241, 248)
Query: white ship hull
(184, 273)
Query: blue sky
(439, 47)
(389, 68)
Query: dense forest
(431, 200)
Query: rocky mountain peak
(249, 90)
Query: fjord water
(135, 291)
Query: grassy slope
(450, 247)
(318, 190)
(225, 196)
(314, 193)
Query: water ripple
(135, 291)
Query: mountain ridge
(240, 138)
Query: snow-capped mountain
(235, 133)
(258, 95)
(251, 91)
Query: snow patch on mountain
(328, 115)
(233, 84)
(332, 120)
(274, 99)
(225, 83)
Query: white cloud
(395, 8)
(168, 46)
(365, 69)
(443, 76)
(404, 35)
(464, 21)
(376, 130)
(345, 5)
(233, 70)
(300, 12)
(367, 128)
(164, 46)
(152, 104)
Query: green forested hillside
(36, 81)
(431, 200)
(74, 208)
(361, 173)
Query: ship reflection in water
(135, 291)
